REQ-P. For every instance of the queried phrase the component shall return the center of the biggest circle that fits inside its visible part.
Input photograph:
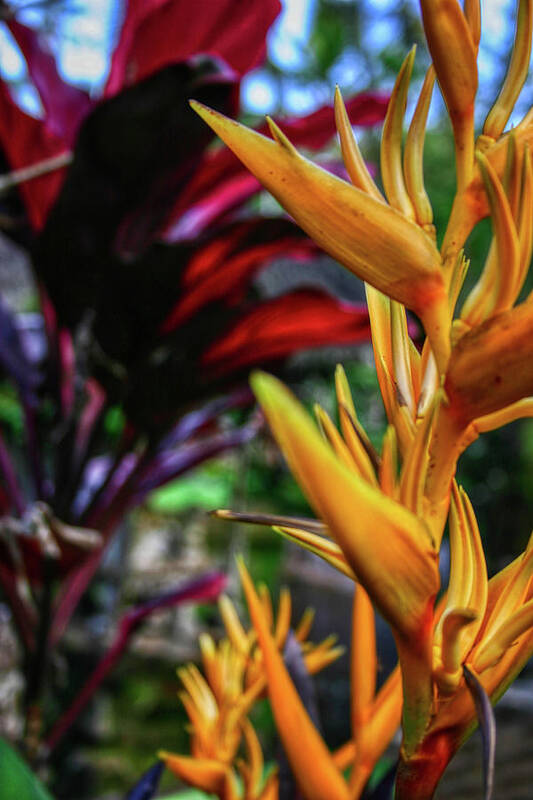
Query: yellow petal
(519, 410)
(311, 762)
(391, 142)
(363, 662)
(414, 153)
(320, 546)
(516, 74)
(473, 17)
(506, 237)
(370, 238)
(494, 647)
(233, 625)
(205, 774)
(389, 548)
(351, 155)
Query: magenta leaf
(64, 105)
(233, 31)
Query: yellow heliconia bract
(372, 239)
(382, 512)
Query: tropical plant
(144, 255)
(382, 516)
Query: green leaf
(16, 779)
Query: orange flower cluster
(381, 515)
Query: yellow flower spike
(332, 435)
(351, 155)
(388, 471)
(360, 455)
(457, 279)
(363, 669)
(502, 275)
(205, 774)
(383, 721)
(320, 546)
(414, 470)
(379, 312)
(506, 237)
(317, 659)
(503, 638)
(283, 620)
(266, 600)
(413, 163)
(479, 591)
(311, 762)
(525, 221)
(363, 661)
(388, 548)
(454, 57)
(500, 112)
(515, 594)
(350, 423)
(253, 768)
(512, 178)
(232, 624)
(302, 630)
(472, 11)
(480, 303)
(391, 141)
(491, 366)
(199, 691)
(401, 358)
(376, 242)
(405, 427)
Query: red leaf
(25, 141)
(160, 32)
(64, 105)
(275, 329)
(223, 267)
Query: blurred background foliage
(358, 44)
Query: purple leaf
(146, 787)
(13, 357)
(202, 589)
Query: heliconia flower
(218, 704)
(381, 516)
(376, 241)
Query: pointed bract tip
(280, 137)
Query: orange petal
(310, 760)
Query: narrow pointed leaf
(148, 784)
(487, 726)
